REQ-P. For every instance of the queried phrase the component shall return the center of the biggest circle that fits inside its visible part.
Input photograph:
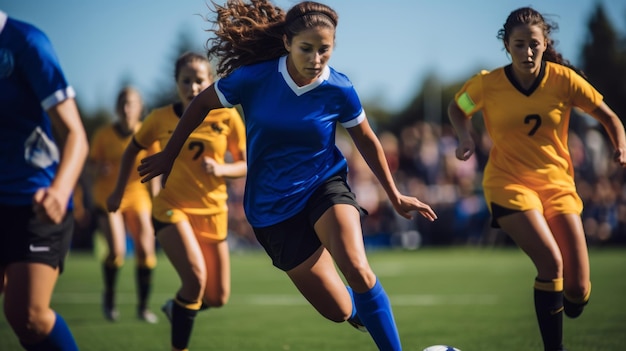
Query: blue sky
(386, 48)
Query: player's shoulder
(161, 111)
(24, 32)
(339, 79)
(556, 69)
(222, 114)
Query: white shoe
(148, 316)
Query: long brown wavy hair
(249, 32)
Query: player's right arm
(162, 162)
(126, 167)
(462, 126)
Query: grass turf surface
(473, 299)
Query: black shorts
(498, 211)
(292, 241)
(25, 238)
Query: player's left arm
(372, 151)
(614, 128)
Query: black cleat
(357, 324)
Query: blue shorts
(25, 238)
(292, 241)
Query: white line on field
(288, 300)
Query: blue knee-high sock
(351, 292)
(59, 339)
(374, 310)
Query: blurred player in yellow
(133, 216)
(190, 215)
(529, 178)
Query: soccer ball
(441, 348)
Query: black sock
(183, 316)
(110, 278)
(143, 276)
(549, 310)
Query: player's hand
(408, 204)
(113, 201)
(155, 165)
(211, 166)
(619, 156)
(49, 205)
(465, 149)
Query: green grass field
(474, 299)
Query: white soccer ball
(441, 348)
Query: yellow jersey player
(529, 179)
(190, 215)
(133, 216)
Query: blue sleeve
(229, 88)
(41, 68)
(352, 112)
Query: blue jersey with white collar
(31, 81)
(290, 134)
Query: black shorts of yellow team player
(25, 238)
(293, 240)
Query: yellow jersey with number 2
(528, 128)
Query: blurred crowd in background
(422, 159)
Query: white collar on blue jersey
(3, 20)
(282, 68)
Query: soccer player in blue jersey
(44, 148)
(275, 65)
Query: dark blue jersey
(290, 134)
(31, 81)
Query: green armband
(465, 103)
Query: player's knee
(216, 301)
(114, 261)
(28, 323)
(337, 316)
(148, 262)
(578, 292)
(194, 284)
(359, 277)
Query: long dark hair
(530, 16)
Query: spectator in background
(44, 148)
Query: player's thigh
(29, 288)
(139, 225)
(114, 230)
(530, 231)
(319, 282)
(217, 261)
(182, 249)
(570, 235)
(339, 230)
